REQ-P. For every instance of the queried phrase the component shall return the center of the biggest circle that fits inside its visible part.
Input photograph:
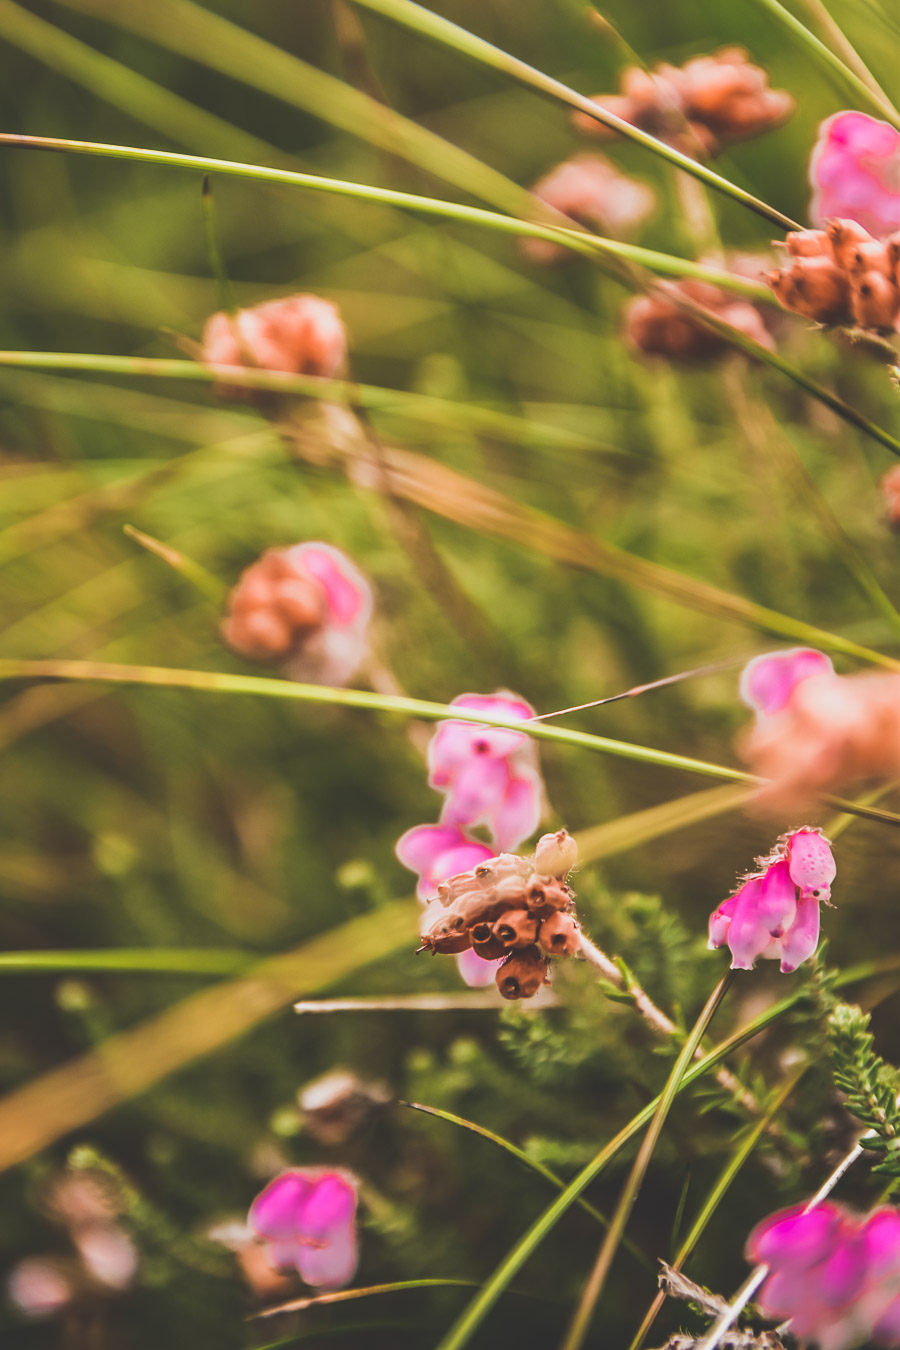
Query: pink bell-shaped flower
(307, 1219)
(768, 681)
(855, 173)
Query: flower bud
(522, 975)
(559, 935)
(890, 488)
(556, 854)
(868, 257)
(846, 236)
(517, 928)
(300, 335)
(545, 894)
(814, 287)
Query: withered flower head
(512, 907)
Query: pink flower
(768, 681)
(488, 775)
(438, 852)
(475, 971)
(834, 1274)
(300, 335)
(855, 172)
(307, 1219)
(591, 191)
(775, 914)
(307, 607)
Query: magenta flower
(834, 1274)
(307, 1219)
(333, 653)
(775, 913)
(768, 681)
(488, 775)
(855, 173)
(438, 852)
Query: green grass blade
(832, 62)
(577, 240)
(130, 1062)
(151, 960)
(217, 682)
(200, 35)
(440, 30)
(204, 581)
(531, 1240)
(714, 1199)
(175, 117)
(581, 1322)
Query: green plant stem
(204, 581)
(152, 960)
(345, 1295)
(581, 1322)
(447, 34)
(714, 1199)
(12, 668)
(578, 240)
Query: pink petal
(720, 921)
(882, 1235)
(792, 1240)
(768, 681)
(812, 863)
(419, 848)
(331, 1266)
(273, 1213)
(855, 172)
(476, 791)
(777, 903)
(802, 938)
(843, 1274)
(519, 812)
(330, 1203)
(504, 705)
(348, 594)
(475, 972)
(887, 1328)
(748, 935)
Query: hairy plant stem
(661, 1023)
(756, 1277)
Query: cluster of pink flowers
(817, 731)
(591, 191)
(300, 335)
(488, 777)
(855, 173)
(834, 1274)
(307, 608)
(775, 913)
(306, 1218)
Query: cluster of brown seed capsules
(512, 907)
(841, 275)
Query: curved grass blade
(581, 1322)
(578, 240)
(204, 581)
(202, 36)
(130, 1062)
(533, 1163)
(714, 1199)
(12, 668)
(531, 1240)
(346, 1295)
(854, 80)
(440, 30)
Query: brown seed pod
(517, 928)
(869, 257)
(546, 894)
(874, 300)
(559, 935)
(806, 244)
(484, 943)
(522, 975)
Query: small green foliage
(870, 1083)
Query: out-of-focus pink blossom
(768, 681)
(438, 852)
(300, 335)
(855, 172)
(833, 732)
(307, 1219)
(475, 971)
(590, 190)
(38, 1288)
(834, 1274)
(488, 775)
(108, 1254)
(307, 608)
(775, 913)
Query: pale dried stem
(662, 1024)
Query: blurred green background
(153, 818)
